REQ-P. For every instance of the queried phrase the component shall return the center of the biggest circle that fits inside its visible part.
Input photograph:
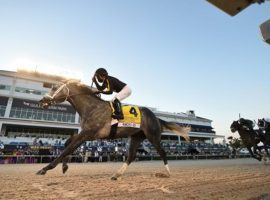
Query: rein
(67, 96)
(57, 91)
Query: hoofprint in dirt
(198, 179)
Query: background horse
(264, 136)
(95, 115)
(248, 137)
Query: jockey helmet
(101, 72)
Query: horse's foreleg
(133, 146)
(76, 142)
(65, 165)
(257, 152)
(120, 172)
(65, 159)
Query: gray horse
(96, 119)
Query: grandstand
(24, 125)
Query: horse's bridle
(265, 125)
(52, 98)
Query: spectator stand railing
(31, 159)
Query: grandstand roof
(181, 115)
(34, 75)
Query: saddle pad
(132, 117)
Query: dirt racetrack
(198, 179)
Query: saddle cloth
(132, 117)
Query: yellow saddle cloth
(132, 117)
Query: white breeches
(124, 93)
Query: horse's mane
(83, 88)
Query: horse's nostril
(44, 103)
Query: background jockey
(107, 85)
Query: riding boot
(118, 113)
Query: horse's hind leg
(153, 131)
(74, 144)
(135, 141)
(156, 143)
(266, 150)
(163, 156)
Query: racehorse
(248, 137)
(95, 115)
(264, 126)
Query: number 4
(133, 111)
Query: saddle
(131, 118)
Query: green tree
(235, 143)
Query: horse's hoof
(114, 178)
(41, 172)
(64, 168)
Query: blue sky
(175, 55)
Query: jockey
(249, 125)
(107, 85)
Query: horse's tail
(175, 128)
